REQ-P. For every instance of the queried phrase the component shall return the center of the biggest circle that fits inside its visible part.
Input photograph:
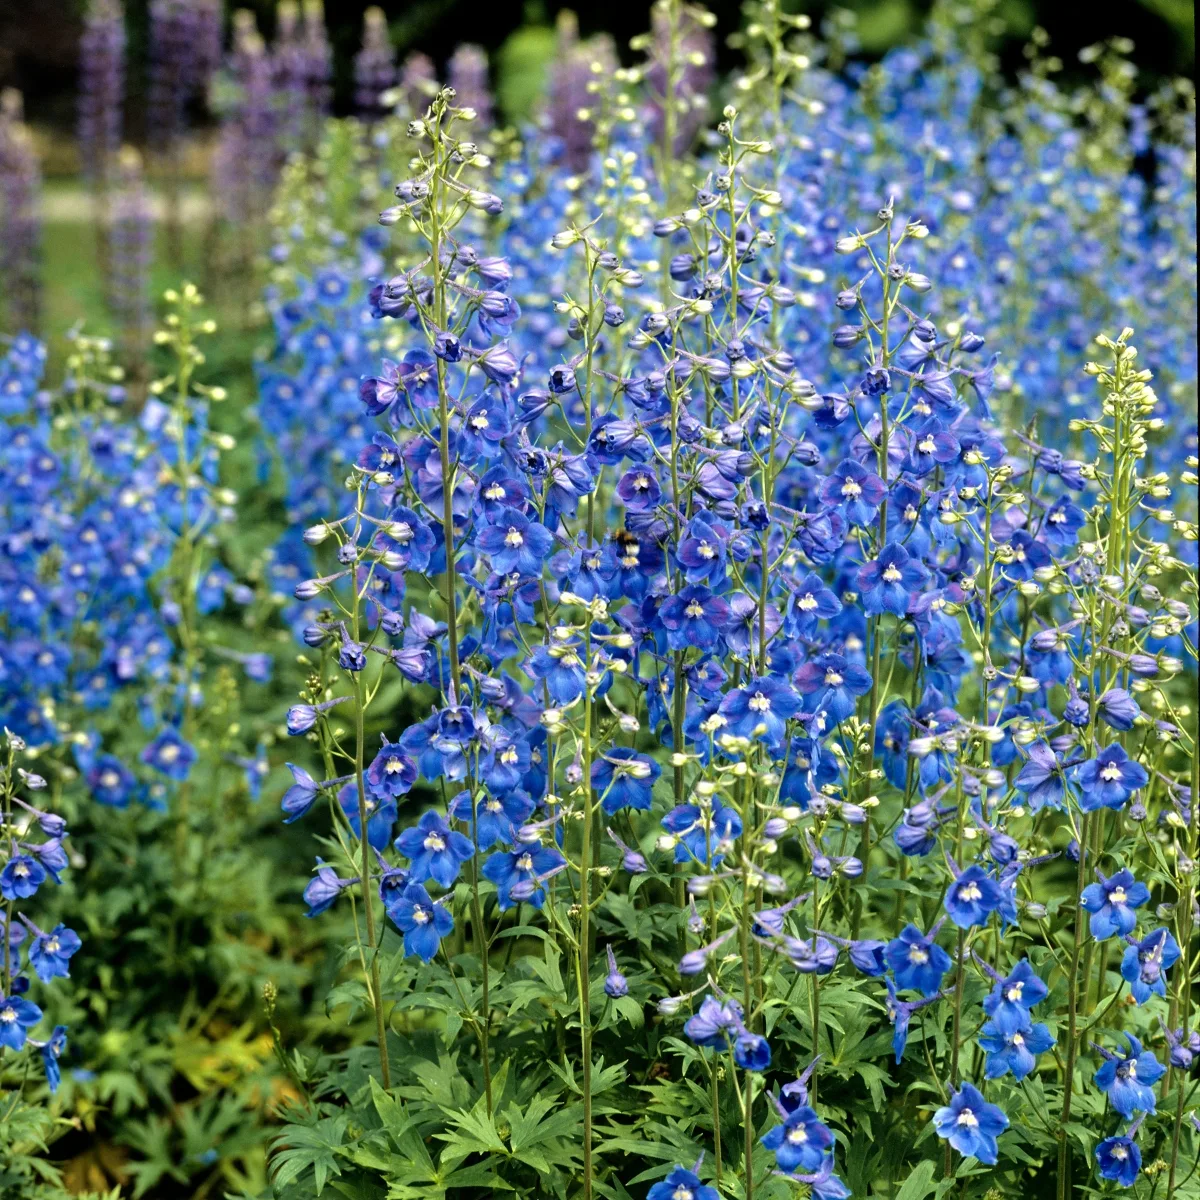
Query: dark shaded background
(38, 38)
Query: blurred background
(39, 41)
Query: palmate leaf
(317, 1147)
(473, 1132)
(536, 1131)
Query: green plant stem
(1064, 1154)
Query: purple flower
(639, 490)
(695, 617)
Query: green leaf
(919, 1183)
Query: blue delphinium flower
(514, 543)
(801, 1141)
(422, 921)
(391, 772)
(1145, 964)
(1111, 903)
(1009, 1002)
(1043, 778)
(682, 1184)
(381, 814)
(17, 1017)
(324, 888)
(615, 984)
(52, 1050)
(299, 798)
(694, 617)
(170, 755)
(917, 961)
(888, 581)
(1109, 779)
(832, 684)
(526, 865)
(497, 818)
(1129, 1079)
(623, 778)
(970, 1124)
(760, 709)
(50, 953)
(1118, 1158)
(21, 877)
(751, 1052)
(715, 1025)
(1118, 709)
(971, 898)
(435, 850)
(1013, 1052)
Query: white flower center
(918, 955)
(759, 703)
(514, 538)
(850, 489)
(435, 842)
(1117, 896)
(832, 678)
(1111, 772)
(968, 1118)
(393, 765)
(892, 574)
